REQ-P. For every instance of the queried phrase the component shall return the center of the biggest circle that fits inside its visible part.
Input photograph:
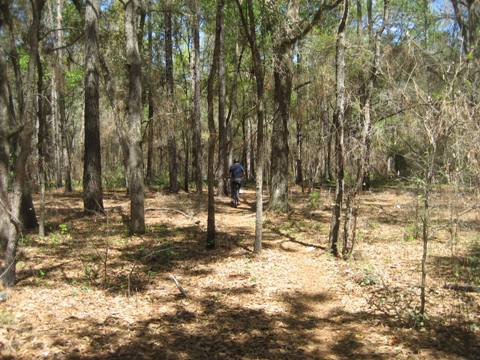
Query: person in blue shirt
(236, 175)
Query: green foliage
(410, 232)
(63, 229)
(25, 240)
(114, 179)
(74, 78)
(369, 277)
(314, 200)
(417, 319)
(24, 59)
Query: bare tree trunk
(222, 130)
(186, 147)
(92, 166)
(25, 147)
(149, 175)
(328, 133)
(134, 120)
(5, 125)
(212, 138)
(249, 28)
(299, 124)
(195, 69)
(172, 144)
(339, 131)
(251, 148)
(282, 74)
(42, 136)
(359, 17)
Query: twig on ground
(170, 209)
(180, 288)
(129, 280)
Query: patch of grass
(25, 240)
(314, 200)
(6, 318)
(410, 232)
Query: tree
(212, 138)
(172, 144)
(92, 165)
(250, 31)
(339, 118)
(134, 120)
(151, 110)
(222, 126)
(196, 115)
(12, 207)
(292, 30)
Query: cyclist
(236, 174)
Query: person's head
(235, 161)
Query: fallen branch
(129, 277)
(462, 287)
(172, 210)
(180, 288)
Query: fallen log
(462, 287)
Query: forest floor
(90, 291)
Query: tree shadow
(217, 330)
(209, 327)
(459, 269)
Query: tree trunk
(150, 130)
(328, 130)
(299, 124)
(27, 216)
(42, 136)
(196, 125)
(92, 166)
(282, 74)
(5, 124)
(172, 144)
(212, 138)
(186, 147)
(24, 148)
(134, 120)
(222, 129)
(249, 28)
(339, 131)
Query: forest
(241, 179)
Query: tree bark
(299, 124)
(196, 115)
(338, 119)
(282, 74)
(92, 166)
(249, 28)
(134, 120)
(42, 136)
(172, 144)
(151, 124)
(24, 145)
(222, 129)
(293, 31)
(212, 138)
(5, 124)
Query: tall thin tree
(92, 165)
(134, 120)
(172, 144)
(339, 118)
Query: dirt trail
(90, 291)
